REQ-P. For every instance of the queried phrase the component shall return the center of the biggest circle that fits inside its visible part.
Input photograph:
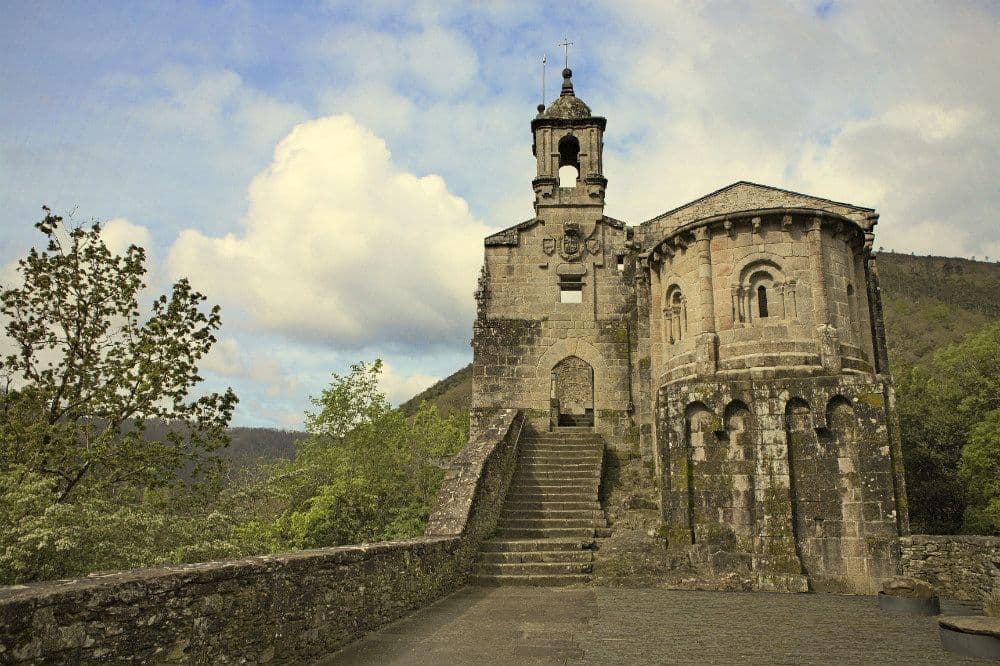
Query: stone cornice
(783, 216)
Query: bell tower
(568, 146)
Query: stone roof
(744, 195)
(568, 105)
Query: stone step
(533, 568)
(495, 545)
(545, 533)
(537, 580)
(559, 463)
(560, 458)
(505, 557)
(555, 480)
(546, 523)
(569, 433)
(554, 487)
(558, 466)
(560, 443)
(548, 505)
(534, 514)
(536, 487)
(534, 495)
(561, 466)
(533, 475)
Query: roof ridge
(661, 216)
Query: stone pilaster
(707, 341)
(827, 337)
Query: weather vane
(566, 44)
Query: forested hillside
(451, 394)
(931, 302)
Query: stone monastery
(734, 345)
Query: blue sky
(325, 171)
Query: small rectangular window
(571, 290)
(621, 264)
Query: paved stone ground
(518, 625)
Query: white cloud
(400, 387)
(341, 247)
(228, 360)
(118, 233)
(879, 106)
(435, 59)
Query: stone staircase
(552, 514)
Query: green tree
(940, 405)
(979, 468)
(365, 473)
(88, 371)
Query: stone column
(706, 342)
(827, 338)
(641, 360)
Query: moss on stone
(872, 399)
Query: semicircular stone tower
(735, 343)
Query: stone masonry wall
(288, 608)
(788, 478)
(959, 567)
(524, 331)
(780, 255)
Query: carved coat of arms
(572, 245)
(571, 241)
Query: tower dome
(568, 105)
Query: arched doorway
(572, 397)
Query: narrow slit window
(571, 290)
(621, 264)
(762, 301)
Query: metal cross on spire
(566, 44)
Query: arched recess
(739, 442)
(763, 293)
(572, 393)
(817, 517)
(675, 314)
(707, 483)
(842, 425)
(559, 350)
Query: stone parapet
(289, 608)
(956, 566)
(482, 469)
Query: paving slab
(587, 625)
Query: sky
(326, 171)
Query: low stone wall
(959, 567)
(288, 608)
